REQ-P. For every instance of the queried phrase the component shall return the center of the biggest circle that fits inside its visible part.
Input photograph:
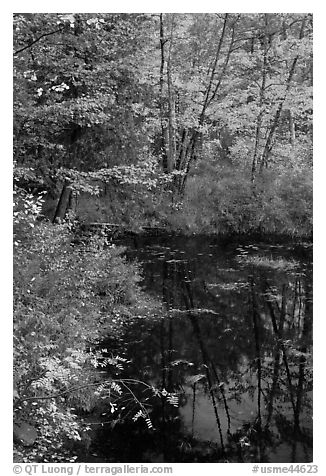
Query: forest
(140, 142)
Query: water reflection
(235, 346)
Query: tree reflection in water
(235, 345)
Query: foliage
(200, 123)
(69, 86)
(154, 106)
(66, 297)
(223, 203)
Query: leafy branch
(31, 43)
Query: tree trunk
(64, 203)
(161, 99)
(171, 105)
(208, 96)
(270, 138)
(291, 128)
(261, 102)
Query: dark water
(230, 360)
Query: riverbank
(81, 303)
(66, 297)
(120, 232)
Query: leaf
(149, 423)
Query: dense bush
(66, 298)
(226, 202)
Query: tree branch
(35, 41)
(230, 51)
(269, 142)
(210, 84)
(59, 394)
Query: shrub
(225, 202)
(66, 299)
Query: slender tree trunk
(213, 72)
(270, 137)
(182, 149)
(291, 128)
(161, 99)
(261, 102)
(226, 62)
(171, 107)
(208, 96)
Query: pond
(227, 369)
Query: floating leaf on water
(181, 361)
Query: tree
(190, 94)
